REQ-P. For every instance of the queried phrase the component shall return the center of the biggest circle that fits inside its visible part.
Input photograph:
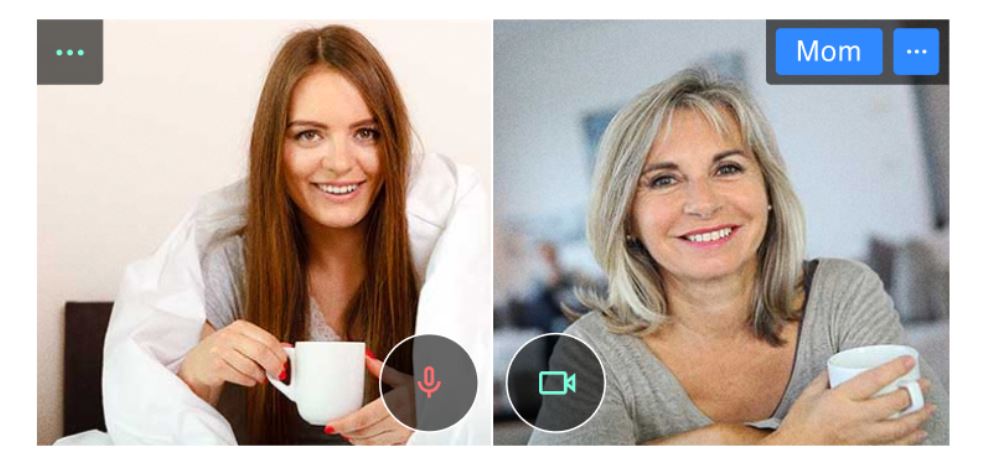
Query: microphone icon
(428, 385)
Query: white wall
(852, 151)
(119, 163)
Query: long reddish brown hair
(276, 297)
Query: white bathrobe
(160, 309)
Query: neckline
(643, 352)
(318, 328)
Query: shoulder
(844, 268)
(222, 269)
(223, 257)
(590, 326)
(593, 330)
(850, 297)
(845, 276)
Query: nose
(338, 156)
(701, 200)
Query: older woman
(714, 329)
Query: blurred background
(120, 163)
(870, 164)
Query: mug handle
(917, 400)
(287, 390)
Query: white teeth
(710, 236)
(337, 190)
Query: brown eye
(307, 136)
(367, 134)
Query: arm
(866, 316)
(205, 392)
(241, 353)
(716, 434)
(613, 423)
(850, 415)
(157, 318)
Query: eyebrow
(671, 165)
(363, 122)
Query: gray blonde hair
(636, 300)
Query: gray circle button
(428, 382)
(555, 382)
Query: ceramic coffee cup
(846, 365)
(326, 379)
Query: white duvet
(159, 311)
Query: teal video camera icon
(568, 382)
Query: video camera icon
(568, 383)
(555, 382)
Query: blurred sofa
(915, 273)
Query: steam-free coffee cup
(848, 364)
(326, 379)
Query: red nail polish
(283, 375)
(369, 353)
(329, 430)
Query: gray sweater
(847, 307)
(223, 266)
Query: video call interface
(507, 232)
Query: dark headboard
(85, 331)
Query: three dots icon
(70, 52)
(917, 51)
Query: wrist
(777, 438)
(740, 434)
(200, 388)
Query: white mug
(846, 365)
(326, 379)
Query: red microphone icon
(428, 385)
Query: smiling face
(701, 207)
(331, 151)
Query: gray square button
(69, 52)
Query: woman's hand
(373, 425)
(241, 353)
(850, 415)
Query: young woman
(330, 247)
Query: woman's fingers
(257, 352)
(261, 337)
(896, 401)
(382, 425)
(868, 383)
(365, 417)
(390, 376)
(374, 366)
(912, 438)
(244, 366)
(378, 427)
(388, 437)
(890, 430)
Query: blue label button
(829, 51)
(916, 51)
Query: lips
(710, 236)
(339, 191)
